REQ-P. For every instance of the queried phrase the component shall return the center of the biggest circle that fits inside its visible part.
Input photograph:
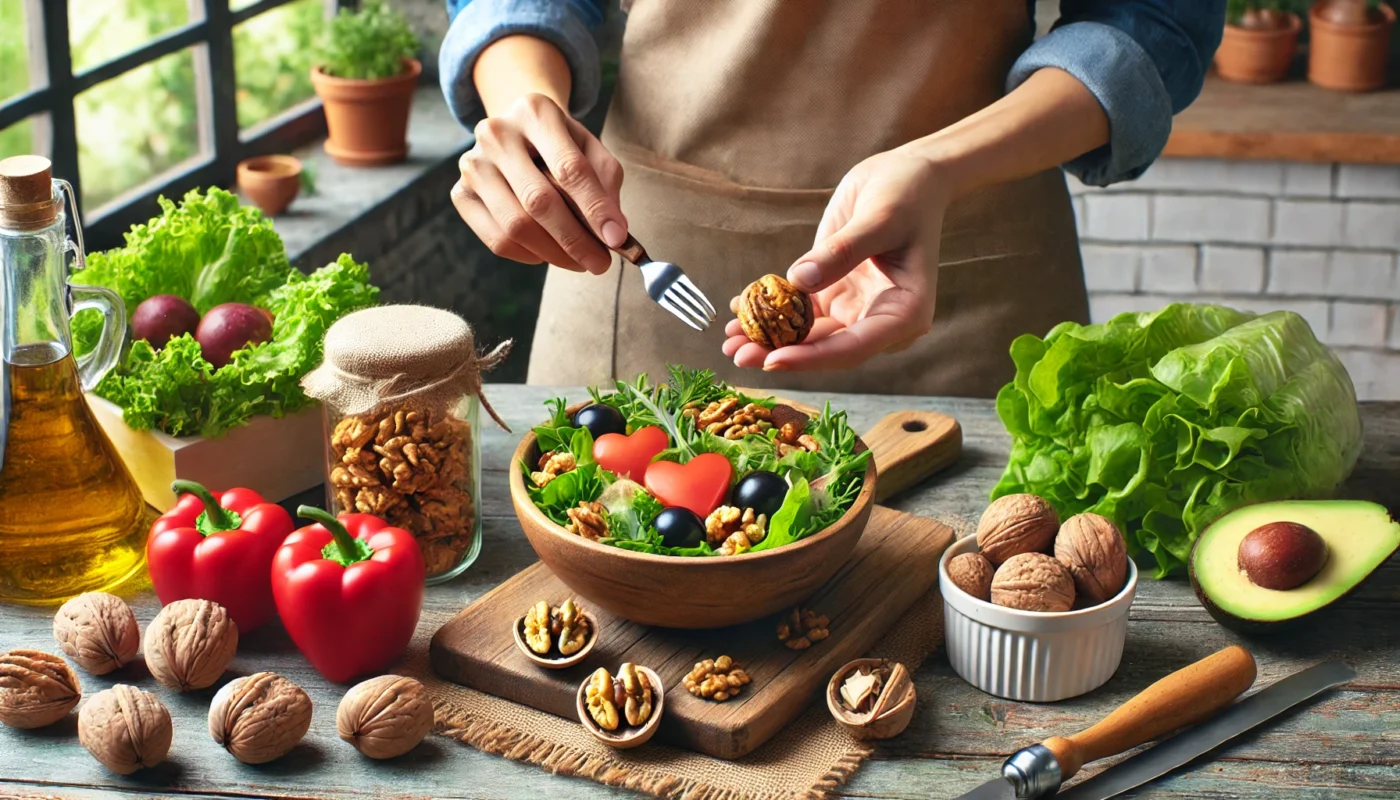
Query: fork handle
(631, 249)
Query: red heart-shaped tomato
(628, 456)
(699, 484)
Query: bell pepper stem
(344, 542)
(219, 517)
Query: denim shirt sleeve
(567, 24)
(1144, 60)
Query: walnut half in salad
(692, 467)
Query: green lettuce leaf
(1164, 421)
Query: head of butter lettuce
(1164, 421)
(210, 249)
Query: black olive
(762, 491)
(600, 418)
(680, 527)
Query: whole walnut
(98, 631)
(125, 728)
(774, 313)
(1015, 524)
(1092, 549)
(1033, 582)
(36, 689)
(259, 718)
(386, 716)
(189, 644)
(972, 573)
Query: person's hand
(872, 272)
(513, 208)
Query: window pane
(100, 30)
(235, 5)
(27, 137)
(15, 76)
(272, 59)
(136, 126)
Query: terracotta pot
(367, 119)
(1349, 58)
(677, 592)
(1249, 55)
(271, 182)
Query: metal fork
(666, 284)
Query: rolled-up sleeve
(567, 24)
(1144, 60)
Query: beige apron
(735, 119)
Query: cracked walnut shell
(972, 573)
(1092, 549)
(125, 728)
(98, 631)
(385, 717)
(36, 689)
(189, 644)
(259, 718)
(1033, 582)
(774, 313)
(1015, 524)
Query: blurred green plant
(272, 59)
(14, 75)
(368, 44)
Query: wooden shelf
(1290, 121)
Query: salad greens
(1164, 421)
(823, 485)
(210, 250)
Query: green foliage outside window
(369, 44)
(14, 75)
(272, 58)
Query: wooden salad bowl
(718, 591)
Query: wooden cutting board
(895, 563)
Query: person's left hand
(872, 271)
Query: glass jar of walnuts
(401, 391)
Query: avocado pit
(1282, 555)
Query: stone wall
(1318, 239)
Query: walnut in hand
(774, 313)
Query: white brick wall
(1319, 239)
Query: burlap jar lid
(386, 353)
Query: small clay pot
(1250, 55)
(1349, 58)
(271, 182)
(367, 120)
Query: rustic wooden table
(1347, 744)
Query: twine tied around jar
(387, 353)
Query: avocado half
(1360, 536)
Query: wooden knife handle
(909, 446)
(631, 249)
(1183, 698)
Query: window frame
(209, 36)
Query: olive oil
(71, 518)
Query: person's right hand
(511, 205)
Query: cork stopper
(27, 199)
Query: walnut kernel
(636, 692)
(725, 418)
(972, 573)
(803, 627)
(1033, 582)
(36, 689)
(716, 679)
(537, 628)
(259, 718)
(1015, 524)
(125, 728)
(571, 626)
(602, 706)
(552, 465)
(189, 644)
(1092, 549)
(385, 717)
(98, 631)
(774, 313)
(588, 520)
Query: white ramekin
(1030, 656)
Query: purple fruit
(163, 317)
(230, 327)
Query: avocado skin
(1265, 627)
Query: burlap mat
(810, 758)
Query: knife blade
(1248, 713)
(1176, 751)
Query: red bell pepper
(349, 591)
(218, 549)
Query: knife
(1183, 698)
